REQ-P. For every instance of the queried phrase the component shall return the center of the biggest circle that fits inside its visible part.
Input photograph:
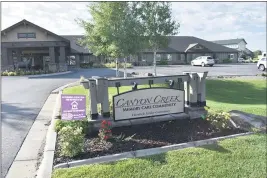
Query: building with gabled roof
(28, 45)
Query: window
(158, 57)
(26, 35)
(231, 56)
(209, 57)
(169, 57)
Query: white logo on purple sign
(73, 107)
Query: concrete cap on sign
(98, 78)
(203, 74)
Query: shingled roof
(24, 22)
(230, 41)
(181, 44)
(74, 44)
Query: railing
(193, 84)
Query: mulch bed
(148, 136)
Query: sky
(206, 20)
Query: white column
(93, 98)
(191, 88)
(102, 95)
(201, 88)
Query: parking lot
(217, 70)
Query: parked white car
(240, 60)
(262, 63)
(203, 61)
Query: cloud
(206, 20)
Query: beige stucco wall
(242, 46)
(12, 36)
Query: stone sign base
(8, 68)
(190, 113)
(52, 67)
(62, 67)
(97, 123)
(195, 112)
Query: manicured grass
(237, 94)
(238, 157)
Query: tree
(257, 53)
(157, 24)
(113, 31)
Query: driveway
(22, 100)
(216, 70)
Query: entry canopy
(196, 47)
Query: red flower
(109, 123)
(104, 122)
(105, 137)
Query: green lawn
(236, 94)
(239, 157)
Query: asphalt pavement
(23, 98)
(216, 70)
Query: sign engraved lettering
(147, 102)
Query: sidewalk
(29, 156)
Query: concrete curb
(145, 152)
(56, 91)
(46, 167)
(47, 75)
(27, 162)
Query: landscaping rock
(247, 121)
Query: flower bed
(144, 136)
(24, 72)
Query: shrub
(163, 62)
(84, 124)
(105, 131)
(218, 119)
(5, 73)
(82, 79)
(129, 65)
(86, 65)
(227, 60)
(96, 65)
(12, 74)
(71, 141)
(264, 74)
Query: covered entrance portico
(50, 56)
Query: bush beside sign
(147, 102)
(73, 107)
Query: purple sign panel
(73, 107)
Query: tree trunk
(125, 74)
(155, 63)
(117, 70)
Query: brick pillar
(52, 64)
(52, 54)
(62, 59)
(4, 59)
(77, 59)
